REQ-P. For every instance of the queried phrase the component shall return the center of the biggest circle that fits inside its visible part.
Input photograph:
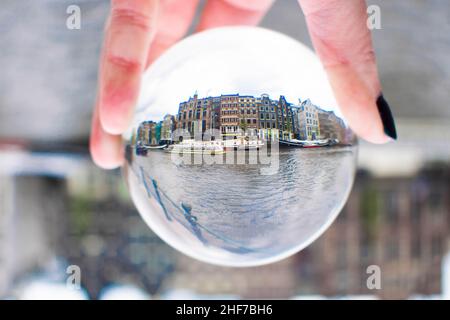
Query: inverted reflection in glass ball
(237, 154)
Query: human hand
(139, 31)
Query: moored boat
(194, 147)
(291, 143)
(317, 143)
(155, 147)
(305, 143)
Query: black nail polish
(386, 117)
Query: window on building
(391, 206)
(436, 200)
(415, 247)
(392, 249)
(436, 246)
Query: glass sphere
(238, 154)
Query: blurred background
(57, 209)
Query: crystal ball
(238, 154)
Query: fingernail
(386, 117)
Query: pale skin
(139, 31)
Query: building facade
(230, 114)
(235, 115)
(167, 127)
(284, 118)
(144, 131)
(194, 115)
(307, 121)
(268, 124)
(150, 133)
(215, 113)
(248, 115)
(331, 126)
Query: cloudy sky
(244, 60)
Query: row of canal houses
(237, 115)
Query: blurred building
(144, 131)
(150, 132)
(110, 242)
(31, 228)
(270, 281)
(167, 127)
(331, 126)
(401, 225)
(5, 273)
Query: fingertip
(359, 100)
(233, 12)
(116, 108)
(377, 138)
(106, 158)
(114, 123)
(366, 123)
(105, 149)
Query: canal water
(237, 214)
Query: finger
(174, 20)
(219, 13)
(106, 149)
(343, 42)
(129, 31)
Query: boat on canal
(317, 143)
(305, 143)
(196, 147)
